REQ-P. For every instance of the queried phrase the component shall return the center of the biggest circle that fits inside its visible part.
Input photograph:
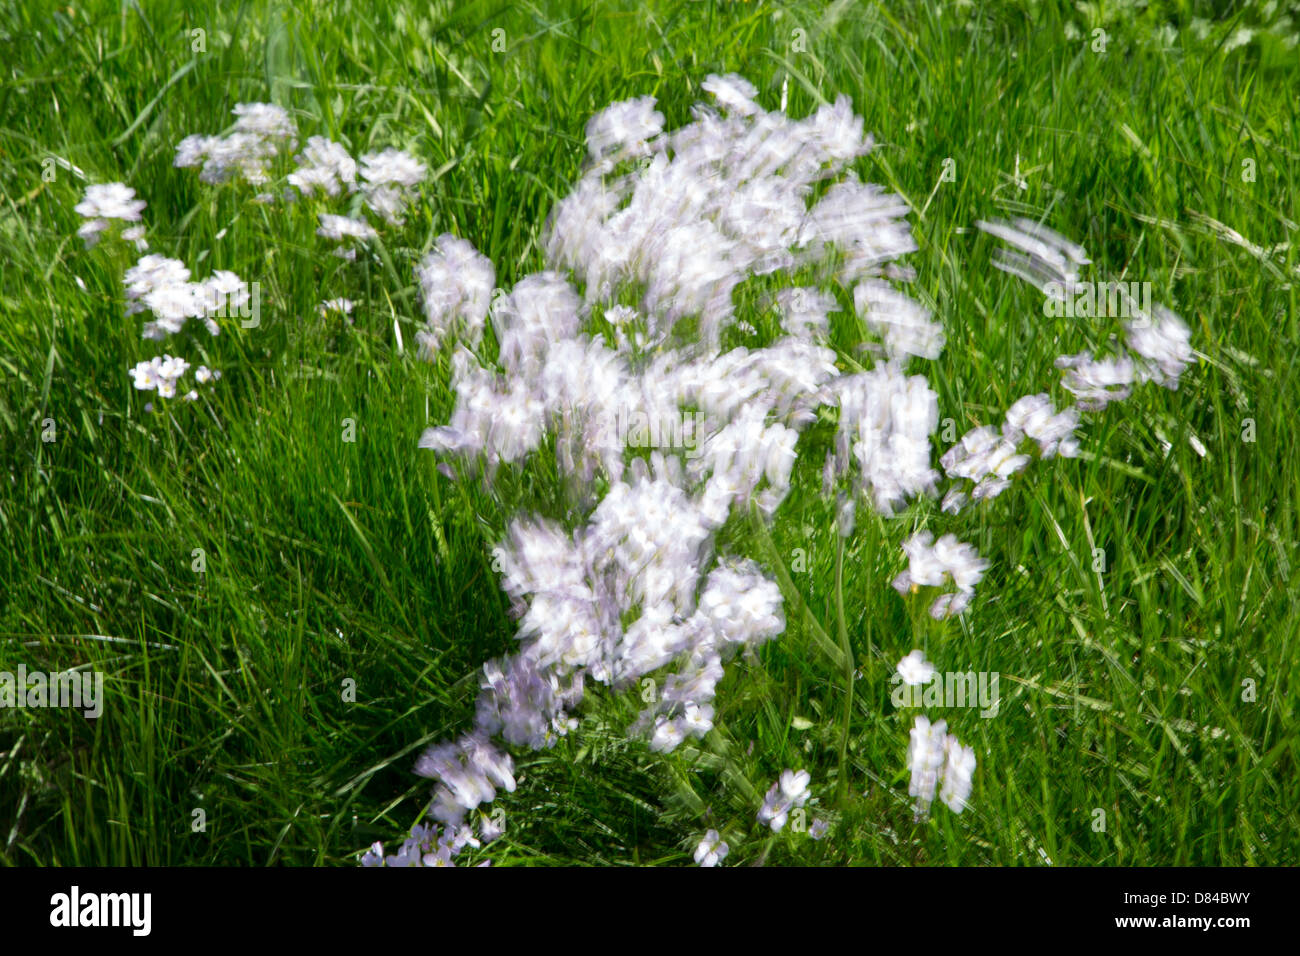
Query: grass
(330, 561)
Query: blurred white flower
(958, 774)
(789, 793)
(326, 166)
(733, 93)
(712, 850)
(935, 756)
(110, 201)
(339, 228)
(915, 669)
(389, 181)
(262, 131)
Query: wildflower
(490, 828)
(1097, 382)
(712, 849)
(90, 231)
(340, 305)
(389, 183)
(110, 201)
(935, 756)
(789, 793)
(260, 133)
(936, 564)
(623, 129)
(959, 770)
(1040, 256)
(915, 669)
(456, 285)
(925, 755)
(1163, 347)
(159, 374)
(733, 93)
(468, 771)
(106, 202)
(905, 326)
(339, 228)
(264, 119)
(135, 235)
(667, 735)
(326, 166)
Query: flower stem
(847, 649)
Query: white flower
(324, 165)
(935, 565)
(915, 669)
(1163, 347)
(712, 850)
(160, 374)
(135, 234)
(340, 305)
(110, 201)
(958, 774)
(624, 129)
(90, 231)
(339, 228)
(794, 786)
(389, 184)
(260, 133)
(264, 119)
(905, 326)
(733, 93)
(456, 285)
(667, 735)
(145, 375)
(925, 755)
(933, 755)
(490, 828)
(789, 793)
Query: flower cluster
(326, 166)
(790, 792)
(983, 462)
(914, 669)
(345, 230)
(163, 287)
(163, 374)
(712, 849)
(262, 132)
(1158, 343)
(627, 324)
(456, 284)
(1159, 350)
(429, 846)
(107, 202)
(936, 564)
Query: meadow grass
(1160, 690)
